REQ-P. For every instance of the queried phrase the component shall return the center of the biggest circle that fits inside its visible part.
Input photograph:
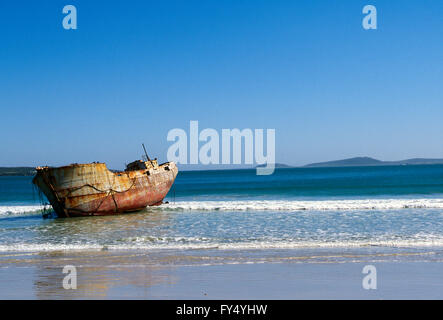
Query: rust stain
(92, 189)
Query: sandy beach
(292, 274)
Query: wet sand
(407, 274)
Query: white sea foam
(297, 205)
(244, 245)
(272, 205)
(19, 210)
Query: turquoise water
(397, 206)
(312, 183)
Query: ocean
(391, 207)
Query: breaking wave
(269, 205)
(215, 245)
(297, 205)
(19, 210)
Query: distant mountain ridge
(17, 171)
(350, 162)
(367, 161)
(277, 165)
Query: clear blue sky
(133, 70)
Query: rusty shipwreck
(92, 189)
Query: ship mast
(146, 154)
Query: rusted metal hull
(91, 189)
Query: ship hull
(93, 190)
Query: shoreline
(403, 273)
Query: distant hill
(17, 171)
(351, 162)
(419, 161)
(367, 161)
(277, 165)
